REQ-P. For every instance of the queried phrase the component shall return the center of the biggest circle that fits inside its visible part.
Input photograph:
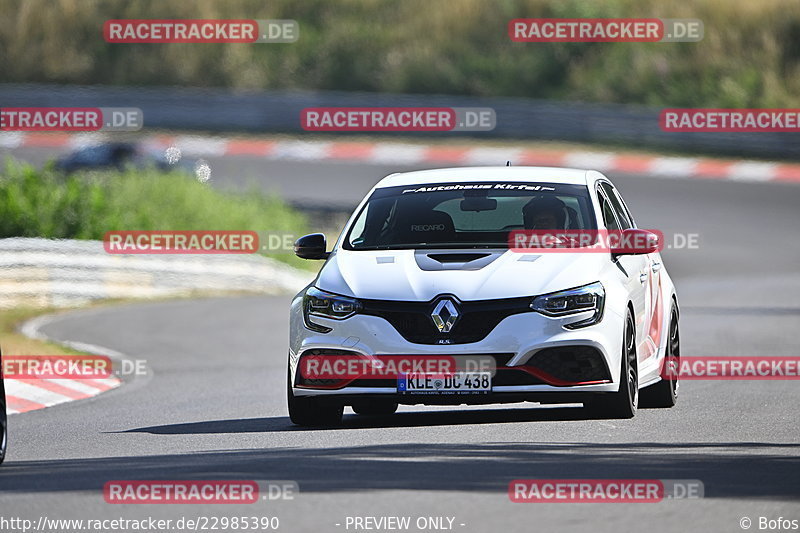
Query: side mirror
(634, 241)
(311, 247)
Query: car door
(654, 300)
(635, 268)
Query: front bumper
(518, 341)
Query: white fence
(61, 273)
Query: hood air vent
(454, 260)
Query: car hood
(410, 275)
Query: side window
(616, 205)
(625, 208)
(357, 233)
(609, 219)
(373, 222)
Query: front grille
(574, 364)
(477, 318)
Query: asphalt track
(212, 406)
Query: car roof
(477, 174)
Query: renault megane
(427, 269)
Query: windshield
(466, 215)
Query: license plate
(458, 383)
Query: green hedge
(43, 203)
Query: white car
(426, 269)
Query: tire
(317, 412)
(375, 407)
(3, 417)
(623, 403)
(664, 394)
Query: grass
(15, 343)
(43, 203)
(749, 57)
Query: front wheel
(312, 411)
(664, 394)
(623, 403)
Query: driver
(544, 213)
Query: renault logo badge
(445, 315)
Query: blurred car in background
(113, 155)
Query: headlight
(327, 305)
(562, 303)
